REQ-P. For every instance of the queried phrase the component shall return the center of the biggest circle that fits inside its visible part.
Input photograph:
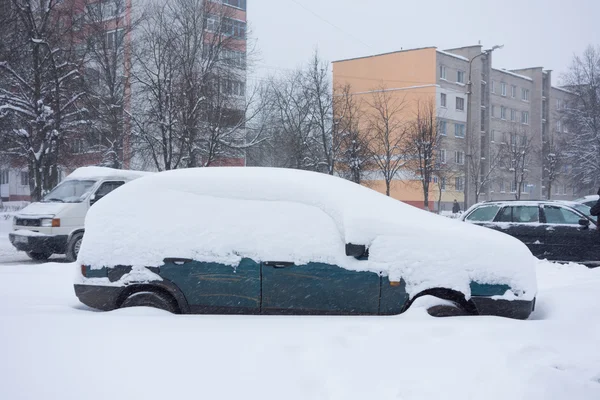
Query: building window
(234, 28)
(493, 111)
(556, 189)
(558, 104)
(513, 140)
(24, 178)
(459, 130)
(237, 88)
(443, 99)
(513, 187)
(524, 94)
(105, 10)
(503, 88)
(501, 187)
(443, 185)
(443, 156)
(482, 125)
(513, 115)
(492, 136)
(513, 91)
(459, 184)
(558, 126)
(564, 189)
(503, 137)
(232, 57)
(493, 86)
(460, 104)
(565, 129)
(443, 128)
(459, 157)
(241, 4)
(78, 146)
(525, 117)
(442, 72)
(114, 39)
(4, 177)
(460, 76)
(503, 112)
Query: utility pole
(469, 133)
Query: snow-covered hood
(42, 210)
(225, 214)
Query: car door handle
(279, 264)
(177, 261)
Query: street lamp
(468, 132)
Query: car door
(523, 223)
(318, 288)
(211, 287)
(566, 239)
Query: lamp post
(468, 132)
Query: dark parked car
(553, 230)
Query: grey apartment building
(492, 140)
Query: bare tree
(482, 169)
(444, 172)
(190, 73)
(386, 131)
(108, 32)
(583, 117)
(350, 135)
(519, 157)
(422, 142)
(41, 90)
(554, 161)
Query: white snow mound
(268, 214)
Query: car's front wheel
(43, 256)
(74, 246)
(151, 299)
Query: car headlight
(47, 222)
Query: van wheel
(151, 299)
(446, 311)
(74, 246)
(38, 256)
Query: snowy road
(52, 347)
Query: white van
(55, 224)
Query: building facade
(491, 139)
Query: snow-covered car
(561, 231)
(55, 225)
(278, 241)
(588, 200)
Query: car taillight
(84, 270)
(56, 223)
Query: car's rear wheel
(37, 256)
(151, 299)
(446, 310)
(74, 246)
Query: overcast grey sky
(534, 32)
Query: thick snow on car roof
(104, 172)
(267, 214)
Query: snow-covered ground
(52, 347)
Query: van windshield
(71, 191)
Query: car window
(484, 214)
(560, 215)
(107, 187)
(519, 214)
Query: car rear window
(483, 214)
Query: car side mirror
(94, 198)
(356, 250)
(584, 222)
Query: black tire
(446, 311)
(38, 256)
(151, 299)
(73, 246)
